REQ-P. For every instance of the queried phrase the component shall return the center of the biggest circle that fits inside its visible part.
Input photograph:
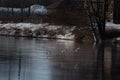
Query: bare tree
(97, 10)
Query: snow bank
(42, 30)
(110, 25)
(36, 30)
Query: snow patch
(110, 25)
(36, 30)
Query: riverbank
(45, 31)
(49, 31)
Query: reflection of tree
(115, 70)
(99, 64)
(107, 62)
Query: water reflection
(99, 62)
(42, 59)
(115, 69)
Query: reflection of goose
(63, 51)
(76, 50)
(8, 57)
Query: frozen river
(42, 59)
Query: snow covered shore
(110, 25)
(46, 30)
(36, 30)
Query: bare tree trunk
(22, 10)
(116, 13)
(21, 14)
(0, 6)
(97, 12)
(29, 11)
(12, 11)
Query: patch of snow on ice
(66, 36)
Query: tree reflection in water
(107, 61)
(115, 68)
(99, 62)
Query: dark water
(42, 59)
